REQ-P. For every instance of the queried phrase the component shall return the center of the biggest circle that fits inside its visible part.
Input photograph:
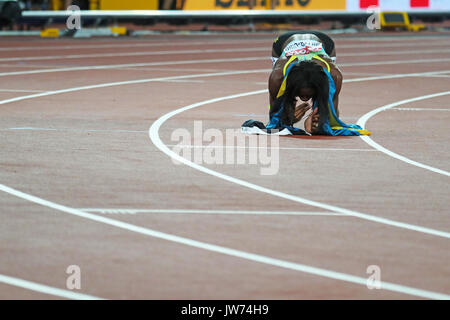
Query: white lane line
(30, 129)
(187, 146)
(183, 146)
(395, 39)
(25, 65)
(128, 65)
(121, 83)
(379, 63)
(172, 43)
(184, 81)
(156, 139)
(348, 73)
(362, 122)
(135, 228)
(420, 109)
(439, 76)
(172, 69)
(167, 43)
(277, 148)
(202, 211)
(391, 53)
(200, 75)
(17, 90)
(431, 74)
(227, 251)
(252, 114)
(135, 54)
(33, 286)
(75, 130)
(395, 76)
(145, 64)
(202, 51)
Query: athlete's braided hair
(306, 74)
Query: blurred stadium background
(137, 17)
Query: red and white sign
(302, 47)
(420, 3)
(399, 5)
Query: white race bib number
(301, 47)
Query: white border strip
(227, 251)
(362, 122)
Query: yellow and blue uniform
(332, 126)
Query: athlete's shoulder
(279, 65)
(333, 66)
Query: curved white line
(33, 286)
(206, 246)
(154, 136)
(362, 122)
(224, 250)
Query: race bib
(301, 47)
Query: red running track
(74, 128)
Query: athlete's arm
(275, 80)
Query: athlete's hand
(300, 111)
(312, 122)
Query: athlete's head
(306, 80)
